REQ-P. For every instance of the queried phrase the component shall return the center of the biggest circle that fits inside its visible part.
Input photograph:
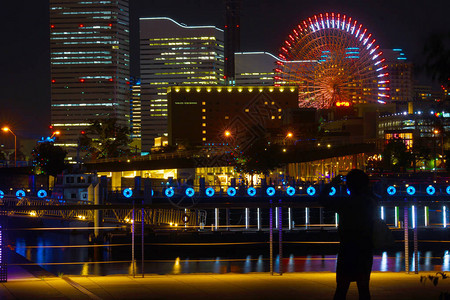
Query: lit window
(246, 110)
(204, 117)
(227, 117)
(204, 124)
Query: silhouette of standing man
(356, 215)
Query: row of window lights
(218, 89)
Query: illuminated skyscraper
(400, 71)
(89, 50)
(174, 54)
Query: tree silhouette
(260, 158)
(105, 139)
(437, 58)
(48, 159)
(396, 157)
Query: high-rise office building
(255, 68)
(89, 50)
(174, 54)
(400, 71)
(135, 108)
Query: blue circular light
(2, 194)
(20, 194)
(169, 192)
(42, 194)
(231, 191)
(251, 191)
(290, 191)
(127, 193)
(311, 191)
(431, 190)
(348, 192)
(210, 192)
(332, 191)
(391, 190)
(410, 190)
(448, 190)
(270, 191)
(190, 192)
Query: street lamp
(55, 133)
(6, 129)
(227, 133)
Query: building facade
(255, 68)
(89, 52)
(227, 115)
(135, 108)
(400, 71)
(173, 54)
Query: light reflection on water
(97, 261)
(393, 262)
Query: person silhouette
(356, 216)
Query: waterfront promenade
(308, 285)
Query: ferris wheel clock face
(334, 61)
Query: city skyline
(265, 24)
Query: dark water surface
(69, 252)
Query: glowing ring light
(270, 191)
(431, 190)
(169, 192)
(332, 191)
(20, 194)
(410, 190)
(127, 193)
(290, 191)
(251, 191)
(209, 192)
(391, 190)
(190, 192)
(2, 194)
(447, 190)
(311, 191)
(231, 191)
(42, 194)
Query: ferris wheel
(334, 61)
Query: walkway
(309, 286)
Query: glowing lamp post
(55, 133)
(6, 129)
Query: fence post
(416, 243)
(406, 231)
(132, 241)
(280, 239)
(271, 237)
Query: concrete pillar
(147, 190)
(100, 192)
(116, 180)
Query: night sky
(24, 30)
